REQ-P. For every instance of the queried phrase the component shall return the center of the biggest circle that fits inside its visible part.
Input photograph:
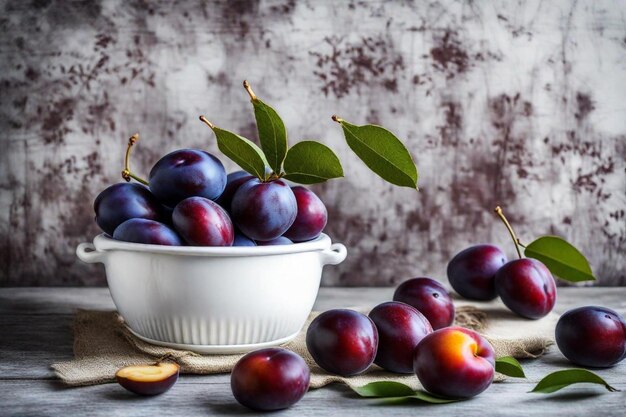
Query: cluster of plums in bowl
(189, 200)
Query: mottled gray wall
(514, 103)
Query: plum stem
(337, 118)
(274, 176)
(246, 85)
(126, 172)
(516, 241)
(206, 122)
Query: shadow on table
(123, 395)
(231, 408)
(566, 397)
(578, 395)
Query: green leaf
(310, 162)
(272, 134)
(433, 399)
(509, 366)
(561, 379)
(384, 389)
(392, 391)
(382, 152)
(561, 258)
(242, 151)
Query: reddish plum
(187, 173)
(146, 231)
(454, 362)
(264, 211)
(270, 379)
(400, 328)
(472, 271)
(592, 336)
(526, 287)
(430, 298)
(311, 218)
(343, 342)
(202, 222)
(123, 201)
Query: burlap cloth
(103, 344)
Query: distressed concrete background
(512, 103)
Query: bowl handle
(335, 255)
(87, 252)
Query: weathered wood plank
(30, 344)
(65, 300)
(204, 397)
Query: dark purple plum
(472, 271)
(430, 298)
(187, 173)
(264, 210)
(526, 287)
(592, 336)
(202, 222)
(311, 218)
(343, 342)
(233, 182)
(125, 200)
(146, 231)
(270, 379)
(280, 240)
(243, 240)
(400, 328)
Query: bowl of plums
(215, 263)
(202, 260)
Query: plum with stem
(525, 285)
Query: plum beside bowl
(213, 300)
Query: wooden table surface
(35, 326)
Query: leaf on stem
(242, 151)
(561, 258)
(310, 162)
(382, 152)
(272, 132)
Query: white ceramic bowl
(213, 299)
